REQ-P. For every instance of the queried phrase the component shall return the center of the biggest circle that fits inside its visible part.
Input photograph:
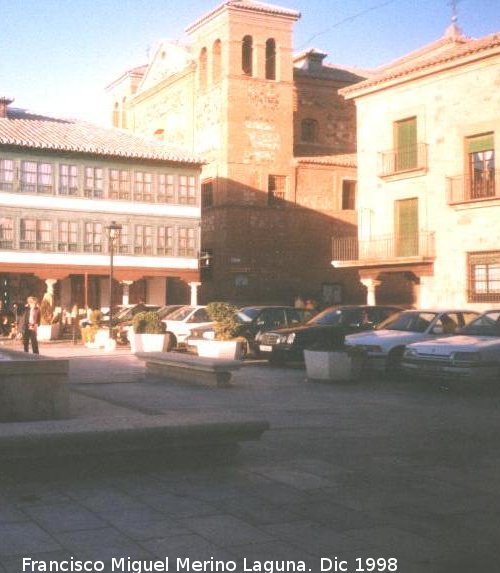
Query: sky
(57, 56)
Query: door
(406, 228)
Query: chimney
(4, 104)
(311, 60)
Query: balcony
(481, 186)
(383, 249)
(405, 160)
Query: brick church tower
(230, 96)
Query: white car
(474, 354)
(386, 344)
(181, 322)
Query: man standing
(29, 323)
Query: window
(348, 195)
(309, 131)
(270, 59)
(116, 115)
(122, 244)
(6, 233)
(481, 166)
(187, 189)
(206, 264)
(165, 241)
(166, 188)
(119, 184)
(143, 240)
(92, 242)
(6, 175)
(68, 180)
(36, 234)
(216, 61)
(67, 236)
(143, 186)
(484, 276)
(207, 194)
(203, 68)
(93, 185)
(124, 113)
(187, 242)
(406, 144)
(247, 55)
(36, 177)
(276, 190)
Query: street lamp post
(113, 233)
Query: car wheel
(393, 365)
(171, 341)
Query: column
(371, 285)
(194, 292)
(125, 291)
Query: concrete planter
(335, 366)
(148, 342)
(48, 331)
(228, 349)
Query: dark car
(326, 328)
(255, 320)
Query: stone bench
(32, 387)
(186, 367)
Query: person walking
(29, 322)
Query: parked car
(473, 354)
(125, 319)
(182, 321)
(386, 344)
(329, 326)
(254, 321)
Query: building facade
(62, 184)
(260, 118)
(428, 188)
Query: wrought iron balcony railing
(383, 247)
(480, 186)
(397, 161)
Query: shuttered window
(406, 144)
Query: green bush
(89, 332)
(226, 325)
(148, 323)
(46, 312)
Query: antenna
(454, 10)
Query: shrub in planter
(226, 343)
(46, 312)
(226, 327)
(149, 333)
(89, 332)
(148, 323)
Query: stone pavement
(373, 470)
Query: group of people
(23, 322)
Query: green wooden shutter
(481, 143)
(406, 144)
(407, 240)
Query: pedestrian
(28, 324)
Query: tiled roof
(342, 160)
(331, 72)
(249, 5)
(31, 131)
(426, 59)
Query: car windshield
(247, 314)
(487, 324)
(181, 313)
(168, 310)
(334, 316)
(408, 321)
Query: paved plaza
(347, 473)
